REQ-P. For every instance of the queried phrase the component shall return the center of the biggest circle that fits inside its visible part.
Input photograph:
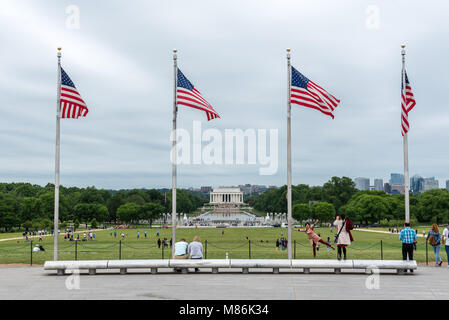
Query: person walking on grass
(313, 237)
(434, 238)
(446, 241)
(408, 237)
(195, 250)
(344, 236)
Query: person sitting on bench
(181, 251)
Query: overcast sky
(120, 59)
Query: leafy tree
(88, 211)
(29, 209)
(323, 211)
(46, 223)
(301, 212)
(47, 205)
(92, 195)
(151, 211)
(94, 223)
(76, 224)
(24, 190)
(338, 191)
(116, 200)
(8, 212)
(27, 225)
(128, 212)
(433, 206)
(368, 208)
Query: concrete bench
(368, 266)
(62, 266)
(124, 265)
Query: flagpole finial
(288, 49)
(402, 46)
(175, 50)
(59, 52)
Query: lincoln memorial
(226, 195)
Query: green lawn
(10, 235)
(367, 245)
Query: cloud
(234, 53)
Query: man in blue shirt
(408, 238)
(181, 251)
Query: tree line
(27, 206)
(339, 195)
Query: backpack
(433, 239)
(349, 225)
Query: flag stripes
(72, 105)
(306, 93)
(407, 104)
(188, 96)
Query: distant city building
(447, 184)
(387, 187)
(397, 189)
(416, 184)
(249, 189)
(430, 183)
(361, 183)
(378, 184)
(397, 178)
(207, 189)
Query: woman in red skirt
(313, 237)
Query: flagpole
(289, 158)
(405, 145)
(174, 152)
(58, 118)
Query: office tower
(361, 183)
(397, 189)
(416, 184)
(430, 183)
(378, 184)
(397, 178)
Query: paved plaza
(24, 282)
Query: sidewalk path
(35, 283)
(387, 232)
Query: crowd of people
(342, 239)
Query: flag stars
(65, 80)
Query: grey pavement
(26, 282)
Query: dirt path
(386, 232)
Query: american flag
(308, 94)
(407, 104)
(188, 96)
(72, 105)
